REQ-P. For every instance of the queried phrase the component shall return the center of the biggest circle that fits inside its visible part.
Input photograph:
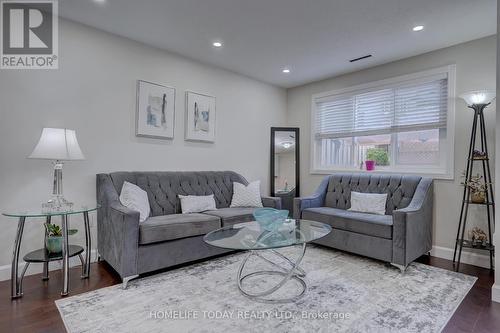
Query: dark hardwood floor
(36, 310)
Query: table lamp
(57, 144)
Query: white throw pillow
(135, 198)
(246, 196)
(368, 203)
(197, 203)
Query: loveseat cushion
(361, 223)
(175, 226)
(230, 216)
(399, 189)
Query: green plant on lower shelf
(54, 230)
(379, 155)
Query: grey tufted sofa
(399, 237)
(166, 238)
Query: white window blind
(410, 106)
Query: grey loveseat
(399, 237)
(167, 237)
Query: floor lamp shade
(57, 144)
(478, 97)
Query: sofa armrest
(272, 202)
(412, 225)
(117, 230)
(315, 200)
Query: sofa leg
(402, 268)
(126, 280)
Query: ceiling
(313, 38)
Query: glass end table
(252, 237)
(42, 255)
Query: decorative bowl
(269, 218)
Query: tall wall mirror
(285, 171)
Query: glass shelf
(479, 203)
(37, 212)
(468, 244)
(42, 255)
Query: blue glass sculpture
(270, 219)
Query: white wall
(476, 68)
(94, 92)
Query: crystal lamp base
(57, 204)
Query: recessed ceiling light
(418, 28)
(100, 1)
(217, 44)
(286, 70)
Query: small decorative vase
(370, 165)
(53, 244)
(478, 196)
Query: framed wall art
(155, 115)
(200, 117)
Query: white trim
(389, 81)
(37, 268)
(443, 176)
(435, 173)
(495, 293)
(468, 257)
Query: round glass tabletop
(38, 212)
(251, 236)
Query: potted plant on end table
(54, 238)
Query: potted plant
(54, 238)
(477, 188)
(478, 237)
(376, 156)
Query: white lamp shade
(57, 144)
(478, 97)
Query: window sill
(426, 173)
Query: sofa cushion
(361, 223)
(164, 187)
(175, 226)
(230, 216)
(399, 189)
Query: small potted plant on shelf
(479, 155)
(54, 238)
(477, 188)
(478, 237)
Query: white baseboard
(468, 257)
(495, 293)
(37, 268)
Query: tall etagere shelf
(477, 101)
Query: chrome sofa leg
(402, 268)
(126, 280)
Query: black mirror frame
(296, 130)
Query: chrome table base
(293, 271)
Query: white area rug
(346, 293)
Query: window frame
(446, 148)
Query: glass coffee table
(252, 237)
